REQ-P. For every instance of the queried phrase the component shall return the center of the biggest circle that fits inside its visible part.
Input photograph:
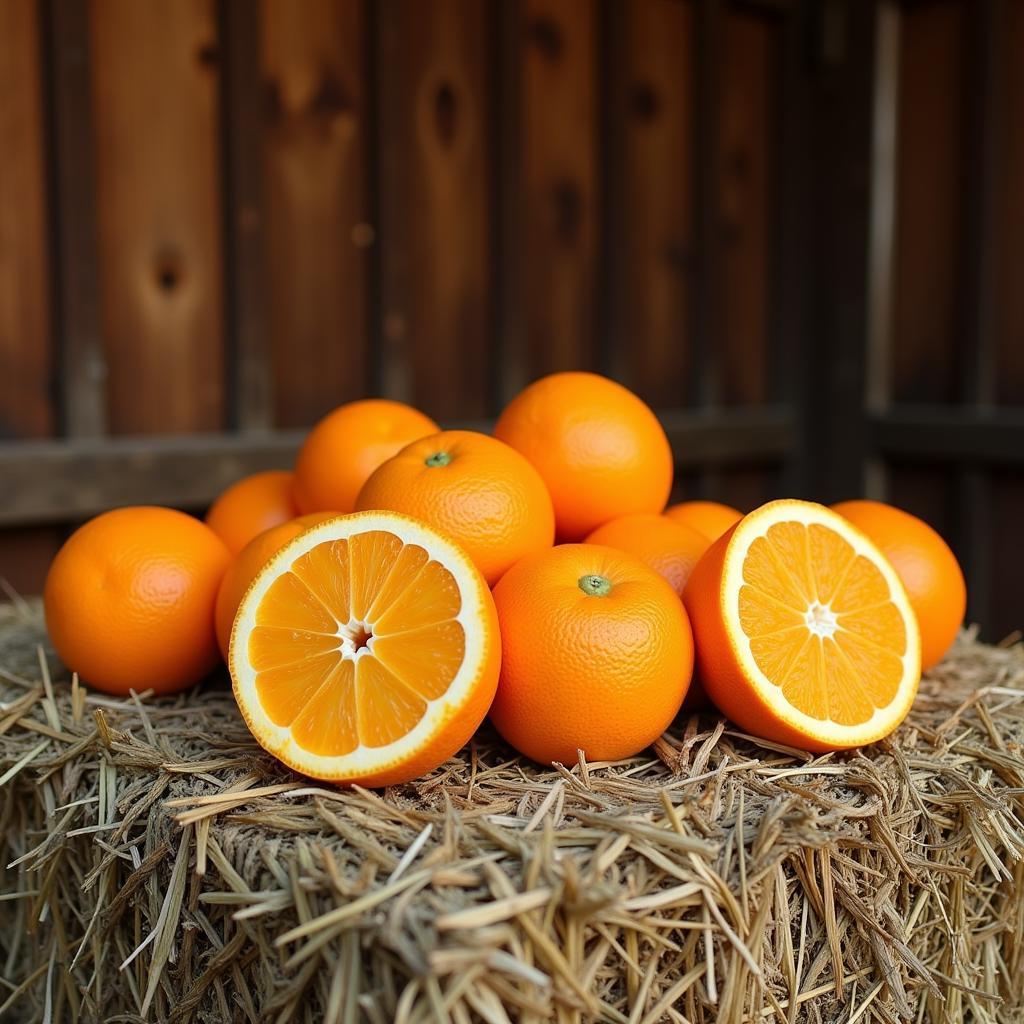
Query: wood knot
(168, 272)
(546, 35)
(446, 113)
(644, 101)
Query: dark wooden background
(795, 227)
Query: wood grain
(744, 201)
(26, 341)
(319, 234)
(652, 271)
(1010, 218)
(930, 228)
(561, 182)
(155, 94)
(26, 355)
(437, 220)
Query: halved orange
(366, 650)
(804, 633)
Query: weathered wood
(250, 372)
(83, 370)
(320, 235)
(930, 240)
(650, 210)
(26, 327)
(51, 481)
(155, 71)
(941, 434)
(561, 184)
(26, 349)
(436, 244)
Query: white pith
(820, 620)
(363, 760)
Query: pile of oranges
(404, 582)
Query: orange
(708, 517)
(366, 650)
(347, 445)
(599, 448)
(129, 600)
(247, 563)
(669, 548)
(474, 489)
(923, 561)
(254, 504)
(804, 632)
(596, 654)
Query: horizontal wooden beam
(65, 481)
(951, 435)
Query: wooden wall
(220, 218)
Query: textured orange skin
(669, 548)
(603, 674)
(457, 729)
(927, 567)
(129, 600)
(247, 563)
(254, 504)
(599, 448)
(347, 445)
(488, 498)
(710, 518)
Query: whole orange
(669, 548)
(925, 565)
(599, 448)
(129, 600)
(597, 654)
(478, 491)
(254, 504)
(347, 445)
(247, 563)
(708, 517)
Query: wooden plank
(561, 184)
(744, 207)
(319, 233)
(26, 338)
(26, 352)
(436, 244)
(930, 238)
(1009, 386)
(937, 433)
(651, 241)
(83, 384)
(52, 481)
(1007, 603)
(155, 95)
(250, 384)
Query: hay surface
(162, 868)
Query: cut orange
(366, 650)
(804, 633)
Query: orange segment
(426, 659)
(387, 710)
(804, 632)
(327, 724)
(366, 650)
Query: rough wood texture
(561, 183)
(707, 879)
(155, 81)
(320, 235)
(436, 130)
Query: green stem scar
(438, 459)
(595, 586)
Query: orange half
(803, 630)
(366, 650)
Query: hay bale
(159, 866)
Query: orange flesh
(353, 641)
(820, 623)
